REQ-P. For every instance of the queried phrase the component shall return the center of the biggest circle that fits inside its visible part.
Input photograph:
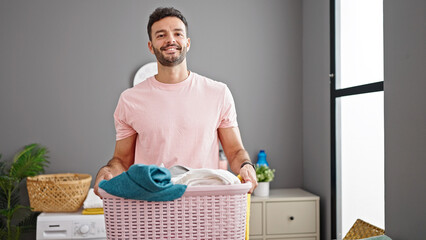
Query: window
(357, 124)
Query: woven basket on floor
(362, 229)
(63, 192)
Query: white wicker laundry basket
(203, 212)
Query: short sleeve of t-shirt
(228, 113)
(122, 128)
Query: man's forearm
(238, 159)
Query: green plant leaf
(3, 167)
(29, 223)
(9, 212)
(20, 215)
(14, 217)
(7, 183)
(3, 200)
(29, 162)
(264, 173)
(3, 233)
(17, 233)
(26, 149)
(14, 199)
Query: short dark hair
(161, 13)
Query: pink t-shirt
(176, 123)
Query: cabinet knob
(291, 218)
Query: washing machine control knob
(84, 229)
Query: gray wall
(405, 114)
(316, 106)
(63, 65)
(405, 118)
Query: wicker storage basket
(362, 229)
(203, 212)
(64, 192)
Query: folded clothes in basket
(144, 182)
(205, 176)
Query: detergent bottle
(261, 158)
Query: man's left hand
(248, 174)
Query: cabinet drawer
(290, 217)
(256, 219)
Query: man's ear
(188, 44)
(150, 47)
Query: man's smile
(171, 48)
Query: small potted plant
(14, 217)
(264, 175)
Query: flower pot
(262, 190)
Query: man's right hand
(103, 174)
(124, 155)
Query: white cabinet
(286, 214)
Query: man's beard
(170, 61)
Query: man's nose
(170, 38)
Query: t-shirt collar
(171, 86)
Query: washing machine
(58, 226)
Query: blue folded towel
(144, 182)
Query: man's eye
(160, 35)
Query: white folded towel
(206, 176)
(92, 200)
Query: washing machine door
(60, 226)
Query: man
(176, 117)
